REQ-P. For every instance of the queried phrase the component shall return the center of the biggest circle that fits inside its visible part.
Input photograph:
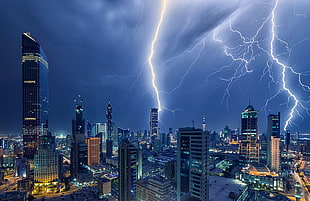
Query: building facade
(248, 145)
(192, 164)
(273, 141)
(79, 152)
(93, 147)
(109, 141)
(35, 94)
(128, 171)
(154, 129)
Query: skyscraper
(273, 141)
(154, 130)
(109, 141)
(93, 157)
(46, 160)
(249, 146)
(78, 147)
(128, 170)
(192, 164)
(35, 94)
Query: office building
(154, 130)
(35, 94)
(46, 161)
(93, 148)
(248, 145)
(109, 141)
(287, 139)
(128, 170)
(79, 151)
(159, 189)
(154, 189)
(273, 141)
(192, 164)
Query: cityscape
(123, 140)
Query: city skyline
(101, 55)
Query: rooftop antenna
(193, 123)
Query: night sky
(99, 49)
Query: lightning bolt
(163, 10)
(285, 68)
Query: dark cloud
(99, 49)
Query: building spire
(204, 126)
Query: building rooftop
(221, 188)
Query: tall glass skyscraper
(249, 146)
(273, 141)
(109, 141)
(192, 164)
(35, 94)
(79, 151)
(154, 130)
(128, 170)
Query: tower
(79, 153)
(249, 146)
(154, 130)
(192, 164)
(93, 157)
(35, 94)
(109, 141)
(46, 160)
(128, 170)
(273, 141)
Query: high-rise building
(35, 94)
(275, 156)
(287, 139)
(79, 153)
(249, 146)
(128, 170)
(154, 130)
(46, 160)
(192, 164)
(46, 166)
(109, 141)
(159, 189)
(273, 141)
(93, 148)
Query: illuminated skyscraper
(192, 164)
(93, 144)
(273, 141)
(46, 160)
(109, 141)
(78, 147)
(35, 94)
(154, 130)
(249, 146)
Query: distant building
(109, 141)
(93, 157)
(128, 171)
(192, 164)
(287, 139)
(79, 153)
(35, 94)
(249, 146)
(273, 141)
(154, 129)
